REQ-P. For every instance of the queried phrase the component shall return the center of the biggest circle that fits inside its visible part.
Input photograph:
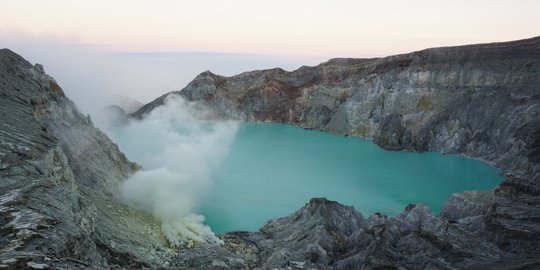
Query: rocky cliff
(480, 100)
(59, 174)
(58, 177)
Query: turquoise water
(272, 170)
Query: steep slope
(57, 178)
(478, 100)
(59, 174)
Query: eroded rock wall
(479, 100)
(482, 101)
(58, 176)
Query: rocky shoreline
(477, 100)
(58, 173)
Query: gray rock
(59, 174)
(34, 265)
(468, 204)
(479, 100)
(482, 101)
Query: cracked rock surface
(59, 174)
(481, 101)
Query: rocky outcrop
(327, 235)
(479, 100)
(482, 101)
(59, 174)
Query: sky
(143, 48)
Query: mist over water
(272, 170)
(179, 153)
(234, 176)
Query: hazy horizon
(91, 189)
(91, 77)
(301, 28)
(142, 49)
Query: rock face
(59, 174)
(481, 101)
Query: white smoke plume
(179, 153)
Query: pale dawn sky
(284, 27)
(144, 48)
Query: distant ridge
(59, 174)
